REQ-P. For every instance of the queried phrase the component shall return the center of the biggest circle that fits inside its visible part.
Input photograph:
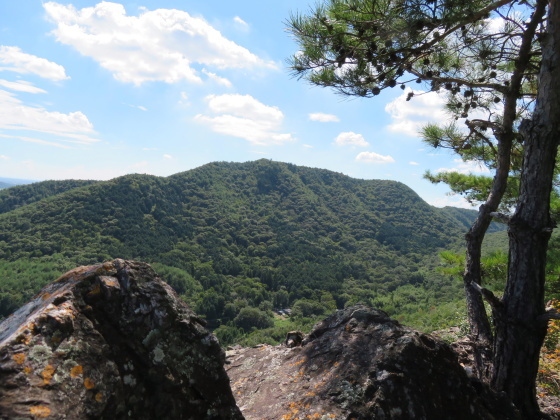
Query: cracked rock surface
(360, 364)
(111, 341)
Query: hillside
(467, 217)
(238, 239)
(21, 195)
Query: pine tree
(497, 63)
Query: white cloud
(219, 80)
(451, 200)
(372, 157)
(413, 163)
(240, 22)
(21, 86)
(15, 116)
(319, 116)
(36, 141)
(73, 127)
(14, 59)
(4, 157)
(495, 24)
(308, 146)
(499, 24)
(158, 45)
(140, 107)
(467, 167)
(409, 116)
(184, 101)
(350, 138)
(245, 117)
(166, 156)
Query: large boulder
(111, 341)
(360, 364)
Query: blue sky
(95, 90)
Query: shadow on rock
(360, 364)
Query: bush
(548, 376)
(304, 308)
(250, 317)
(228, 335)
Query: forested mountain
(238, 239)
(467, 217)
(22, 195)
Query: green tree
(250, 317)
(506, 75)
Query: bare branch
(488, 296)
(550, 314)
(503, 217)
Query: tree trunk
(519, 332)
(480, 331)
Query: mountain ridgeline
(237, 239)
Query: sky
(96, 90)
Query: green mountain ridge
(232, 237)
(20, 195)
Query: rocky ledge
(360, 364)
(111, 341)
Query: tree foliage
(480, 55)
(234, 236)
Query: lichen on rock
(360, 364)
(111, 341)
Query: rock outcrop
(111, 341)
(360, 364)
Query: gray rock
(111, 341)
(360, 364)
(294, 339)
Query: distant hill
(10, 182)
(467, 217)
(22, 195)
(5, 185)
(230, 236)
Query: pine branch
(503, 217)
(489, 297)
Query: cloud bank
(245, 117)
(159, 45)
(14, 59)
(73, 127)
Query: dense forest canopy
(234, 239)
